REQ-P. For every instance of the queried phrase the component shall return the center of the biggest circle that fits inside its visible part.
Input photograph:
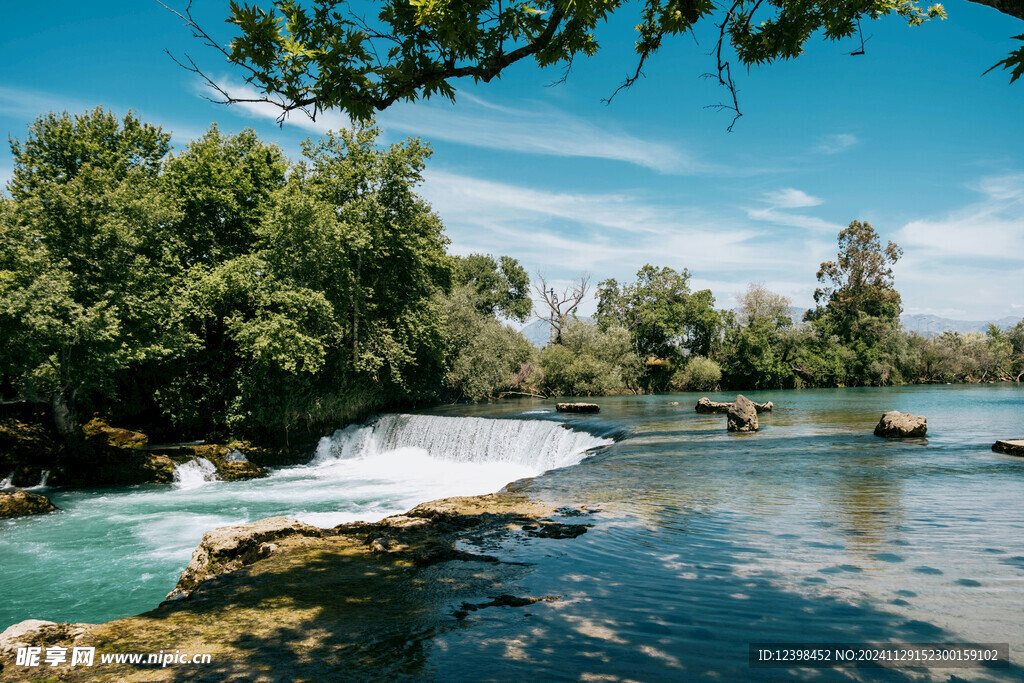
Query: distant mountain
(933, 325)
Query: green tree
(859, 282)
(311, 57)
(653, 309)
(590, 361)
(91, 255)
(485, 356)
(500, 287)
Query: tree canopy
(325, 54)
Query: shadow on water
(624, 613)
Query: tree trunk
(63, 415)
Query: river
(812, 529)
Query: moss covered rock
(17, 503)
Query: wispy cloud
(541, 129)
(834, 144)
(790, 198)
(608, 235)
(26, 105)
(969, 258)
(992, 228)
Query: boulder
(230, 548)
(229, 470)
(577, 407)
(895, 424)
(17, 503)
(743, 416)
(707, 406)
(1009, 446)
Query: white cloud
(992, 228)
(834, 144)
(789, 198)
(540, 129)
(475, 122)
(967, 263)
(607, 235)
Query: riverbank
(301, 602)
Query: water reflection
(812, 529)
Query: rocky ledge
(577, 407)
(706, 406)
(17, 503)
(1009, 446)
(281, 598)
(897, 425)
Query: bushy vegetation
(225, 289)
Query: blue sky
(910, 137)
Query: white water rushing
(7, 482)
(194, 473)
(118, 551)
(535, 445)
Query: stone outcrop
(577, 407)
(233, 547)
(743, 416)
(707, 406)
(895, 424)
(35, 632)
(1009, 446)
(263, 584)
(17, 503)
(114, 436)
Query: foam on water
(119, 551)
(194, 473)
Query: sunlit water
(811, 530)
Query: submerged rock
(743, 416)
(1009, 446)
(577, 407)
(233, 547)
(895, 424)
(707, 406)
(17, 503)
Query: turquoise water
(812, 529)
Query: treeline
(223, 289)
(853, 337)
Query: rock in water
(1009, 446)
(743, 415)
(577, 407)
(895, 424)
(232, 547)
(17, 503)
(706, 406)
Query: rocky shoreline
(279, 597)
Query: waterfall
(539, 445)
(194, 473)
(43, 477)
(7, 482)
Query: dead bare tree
(560, 306)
